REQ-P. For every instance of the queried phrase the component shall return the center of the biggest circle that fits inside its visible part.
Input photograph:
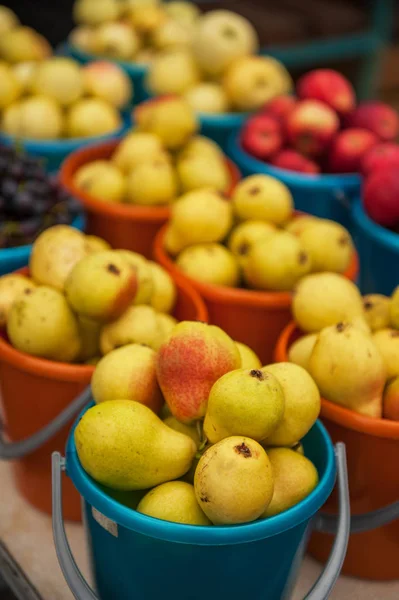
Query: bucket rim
(381, 428)
(229, 295)
(322, 181)
(127, 212)
(379, 233)
(201, 535)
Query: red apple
(381, 197)
(330, 87)
(293, 161)
(311, 126)
(262, 136)
(377, 117)
(381, 156)
(280, 107)
(348, 150)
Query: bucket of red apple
(350, 346)
(127, 188)
(246, 255)
(316, 142)
(375, 217)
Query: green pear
(387, 342)
(41, 323)
(190, 430)
(164, 293)
(143, 275)
(295, 477)
(124, 445)
(249, 360)
(101, 285)
(234, 481)
(349, 369)
(11, 286)
(377, 311)
(137, 325)
(173, 501)
(300, 351)
(302, 403)
(244, 402)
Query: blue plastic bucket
(325, 196)
(54, 152)
(378, 250)
(12, 259)
(138, 556)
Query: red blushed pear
(280, 107)
(381, 156)
(293, 161)
(381, 197)
(377, 117)
(349, 148)
(329, 87)
(390, 401)
(311, 126)
(262, 136)
(194, 357)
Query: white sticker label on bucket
(106, 523)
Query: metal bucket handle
(14, 450)
(320, 591)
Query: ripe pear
(244, 402)
(298, 223)
(89, 333)
(249, 360)
(173, 501)
(234, 481)
(124, 445)
(137, 325)
(300, 351)
(21, 44)
(182, 11)
(94, 243)
(190, 430)
(188, 364)
(166, 324)
(243, 238)
(200, 145)
(376, 311)
(209, 263)
(164, 293)
(129, 373)
(387, 342)
(152, 183)
(201, 216)
(295, 477)
(101, 286)
(276, 263)
(390, 401)
(394, 309)
(59, 78)
(302, 403)
(324, 299)
(11, 286)
(143, 275)
(102, 180)
(146, 18)
(54, 254)
(91, 117)
(263, 198)
(361, 323)
(10, 88)
(9, 20)
(208, 97)
(41, 323)
(196, 172)
(135, 148)
(349, 369)
(172, 241)
(171, 34)
(173, 71)
(328, 244)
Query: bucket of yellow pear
(75, 302)
(350, 346)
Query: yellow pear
(298, 223)
(349, 369)
(246, 235)
(208, 97)
(11, 286)
(324, 299)
(377, 311)
(210, 263)
(295, 477)
(172, 241)
(394, 309)
(164, 293)
(198, 171)
(302, 403)
(89, 333)
(234, 481)
(125, 446)
(328, 244)
(262, 198)
(244, 402)
(102, 180)
(136, 147)
(190, 430)
(173, 501)
(41, 323)
(54, 254)
(59, 78)
(137, 325)
(387, 342)
(152, 183)
(166, 324)
(249, 360)
(94, 243)
(144, 278)
(391, 400)
(173, 71)
(300, 351)
(200, 145)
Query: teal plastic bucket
(220, 127)
(325, 196)
(138, 556)
(378, 250)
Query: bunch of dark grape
(30, 199)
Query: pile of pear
(160, 159)
(223, 446)
(255, 239)
(350, 345)
(82, 299)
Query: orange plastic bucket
(372, 447)
(248, 316)
(122, 225)
(34, 391)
